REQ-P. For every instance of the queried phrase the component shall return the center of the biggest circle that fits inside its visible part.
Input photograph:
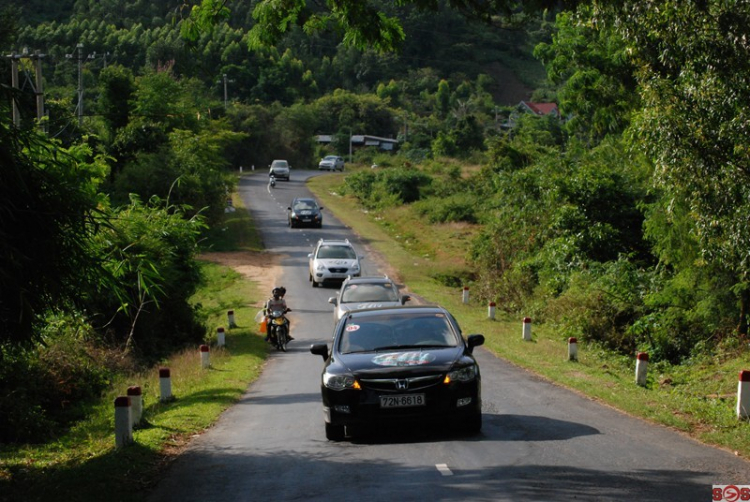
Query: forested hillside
(623, 220)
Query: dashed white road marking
(443, 469)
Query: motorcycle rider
(277, 302)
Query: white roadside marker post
(491, 311)
(572, 349)
(641, 368)
(123, 429)
(165, 384)
(465, 296)
(136, 404)
(527, 328)
(743, 395)
(220, 337)
(230, 319)
(205, 362)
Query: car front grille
(392, 384)
(337, 270)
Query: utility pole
(225, 91)
(14, 83)
(37, 84)
(79, 46)
(39, 88)
(226, 94)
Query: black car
(400, 364)
(305, 212)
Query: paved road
(539, 442)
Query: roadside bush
(44, 390)
(455, 208)
(150, 251)
(378, 188)
(600, 304)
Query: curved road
(539, 442)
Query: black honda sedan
(305, 212)
(400, 364)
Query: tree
(692, 78)
(363, 23)
(597, 79)
(49, 209)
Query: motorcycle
(278, 329)
(272, 182)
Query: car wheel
(314, 284)
(474, 424)
(334, 432)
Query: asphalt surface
(539, 442)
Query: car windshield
(304, 205)
(330, 157)
(336, 252)
(396, 331)
(355, 293)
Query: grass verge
(84, 463)
(698, 398)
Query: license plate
(402, 401)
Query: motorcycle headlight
(278, 321)
(466, 374)
(340, 382)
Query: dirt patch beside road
(263, 268)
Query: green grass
(697, 398)
(84, 464)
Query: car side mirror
(320, 349)
(288, 208)
(332, 300)
(405, 298)
(474, 341)
(309, 255)
(321, 208)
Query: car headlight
(466, 374)
(355, 267)
(340, 382)
(320, 267)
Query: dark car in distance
(305, 212)
(407, 364)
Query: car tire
(474, 424)
(335, 432)
(314, 284)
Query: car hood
(401, 362)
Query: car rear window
(336, 252)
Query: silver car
(366, 293)
(279, 169)
(331, 163)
